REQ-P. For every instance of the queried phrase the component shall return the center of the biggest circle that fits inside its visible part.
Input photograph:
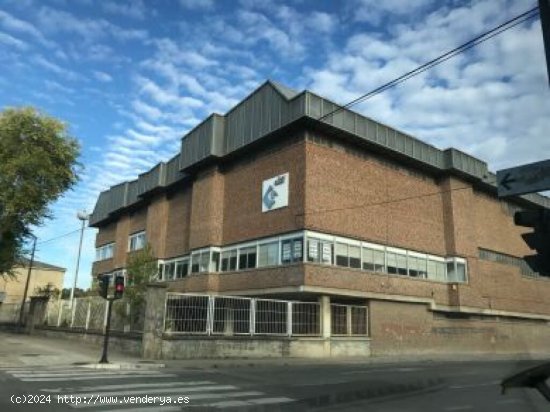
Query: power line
(60, 236)
(442, 58)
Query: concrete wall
(272, 347)
(406, 328)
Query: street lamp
(83, 217)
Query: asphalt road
(349, 386)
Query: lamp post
(22, 309)
(83, 217)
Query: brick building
(284, 197)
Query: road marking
(149, 409)
(68, 374)
(127, 386)
(252, 402)
(92, 377)
(459, 408)
(474, 385)
(381, 370)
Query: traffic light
(104, 286)
(119, 286)
(538, 239)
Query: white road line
(92, 377)
(173, 399)
(127, 386)
(183, 389)
(69, 374)
(475, 385)
(252, 402)
(381, 370)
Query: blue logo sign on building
(275, 193)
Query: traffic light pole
(107, 330)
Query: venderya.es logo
(275, 193)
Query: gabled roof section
(287, 92)
(36, 264)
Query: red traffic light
(119, 287)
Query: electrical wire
(521, 18)
(61, 236)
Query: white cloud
(11, 23)
(490, 102)
(55, 68)
(197, 4)
(103, 77)
(134, 9)
(11, 41)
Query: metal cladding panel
(101, 209)
(152, 179)
(261, 113)
(455, 159)
(132, 194)
(324, 110)
(117, 196)
(197, 144)
(173, 173)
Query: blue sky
(131, 77)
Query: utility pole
(82, 216)
(22, 309)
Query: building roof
(273, 107)
(24, 262)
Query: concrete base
(192, 347)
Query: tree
(141, 269)
(49, 291)
(38, 162)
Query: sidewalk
(23, 350)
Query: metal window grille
(187, 314)
(231, 315)
(359, 322)
(306, 318)
(271, 317)
(338, 317)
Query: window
(247, 258)
(105, 252)
(291, 250)
(456, 270)
(347, 255)
(397, 263)
(417, 266)
(182, 268)
(136, 241)
(215, 262)
(268, 254)
(229, 260)
(319, 250)
(373, 260)
(436, 270)
(169, 271)
(199, 261)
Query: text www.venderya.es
(132, 400)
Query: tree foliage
(141, 269)
(38, 162)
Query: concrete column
(37, 312)
(153, 327)
(326, 323)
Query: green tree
(38, 162)
(48, 290)
(141, 269)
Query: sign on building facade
(275, 193)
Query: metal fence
(90, 314)
(230, 316)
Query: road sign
(530, 178)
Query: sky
(130, 78)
